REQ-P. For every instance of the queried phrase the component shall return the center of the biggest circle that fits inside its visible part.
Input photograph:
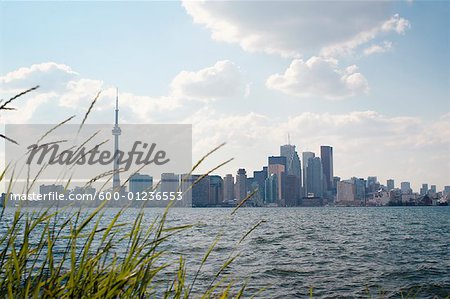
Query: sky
(370, 79)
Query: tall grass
(69, 253)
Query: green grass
(31, 267)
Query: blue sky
(390, 118)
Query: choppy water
(338, 252)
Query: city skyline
(377, 92)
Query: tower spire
(116, 133)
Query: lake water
(338, 252)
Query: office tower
(293, 164)
(390, 184)
(305, 158)
(405, 187)
(446, 190)
(215, 190)
(346, 191)
(228, 187)
(291, 190)
(271, 190)
(277, 166)
(116, 133)
(326, 155)
(372, 184)
(314, 177)
(140, 183)
(259, 178)
(424, 189)
(433, 189)
(200, 191)
(170, 182)
(241, 184)
(360, 188)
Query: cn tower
(116, 131)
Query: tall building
(406, 187)
(170, 182)
(346, 191)
(305, 158)
(433, 189)
(390, 185)
(215, 190)
(360, 188)
(446, 190)
(277, 166)
(291, 190)
(271, 190)
(372, 184)
(326, 155)
(424, 189)
(140, 183)
(314, 177)
(241, 184)
(259, 178)
(200, 191)
(116, 133)
(293, 164)
(228, 188)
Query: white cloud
(297, 28)
(219, 81)
(378, 48)
(51, 77)
(319, 77)
(64, 88)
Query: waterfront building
(305, 158)
(228, 188)
(424, 189)
(346, 191)
(215, 190)
(390, 184)
(406, 187)
(314, 177)
(141, 183)
(326, 156)
(277, 166)
(293, 163)
(241, 184)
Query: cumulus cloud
(64, 88)
(378, 48)
(219, 81)
(320, 77)
(296, 28)
(51, 76)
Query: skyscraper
(390, 184)
(293, 164)
(215, 190)
(405, 187)
(116, 133)
(314, 177)
(228, 187)
(259, 178)
(277, 166)
(424, 189)
(241, 184)
(305, 157)
(326, 155)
